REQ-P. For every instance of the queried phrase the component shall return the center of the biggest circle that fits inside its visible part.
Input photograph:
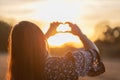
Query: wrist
(47, 35)
(81, 36)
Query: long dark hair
(27, 48)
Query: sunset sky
(85, 13)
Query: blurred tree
(108, 34)
(110, 44)
(4, 33)
(112, 35)
(100, 28)
(116, 33)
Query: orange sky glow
(85, 13)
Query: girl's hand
(74, 29)
(53, 27)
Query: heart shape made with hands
(64, 35)
(63, 28)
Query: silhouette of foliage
(4, 33)
(110, 45)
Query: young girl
(30, 60)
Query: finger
(65, 32)
(55, 24)
(68, 31)
(58, 22)
(68, 22)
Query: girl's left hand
(53, 27)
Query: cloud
(16, 2)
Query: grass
(112, 69)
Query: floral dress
(69, 67)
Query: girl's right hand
(74, 29)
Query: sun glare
(63, 28)
(64, 38)
(50, 11)
(47, 11)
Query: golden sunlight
(64, 38)
(63, 28)
(50, 11)
(55, 10)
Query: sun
(61, 39)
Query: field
(112, 69)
